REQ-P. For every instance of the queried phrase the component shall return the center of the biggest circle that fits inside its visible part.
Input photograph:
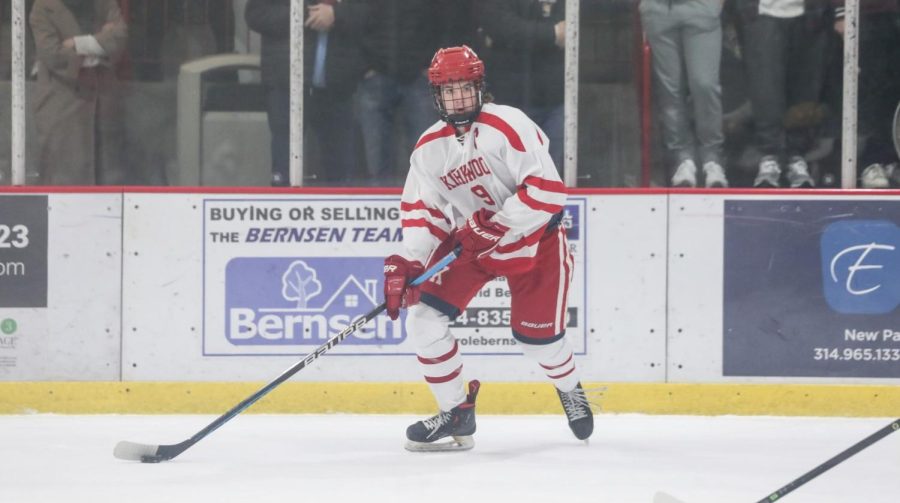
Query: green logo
(8, 326)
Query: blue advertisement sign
(811, 288)
(272, 301)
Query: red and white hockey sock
(557, 361)
(438, 354)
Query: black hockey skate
(578, 412)
(459, 423)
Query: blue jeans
(377, 101)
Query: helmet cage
(458, 119)
(456, 65)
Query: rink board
(670, 287)
(76, 333)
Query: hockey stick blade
(147, 453)
(131, 451)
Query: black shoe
(578, 412)
(458, 422)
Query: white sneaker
(798, 173)
(685, 175)
(714, 175)
(875, 176)
(769, 173)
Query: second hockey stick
(831, 463)
(661, 497)
(149, 453)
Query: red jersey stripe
(420, 205)
(421, 222)
(535, 204)
(544, 184)
(443, 357)
(449, 377)
(440, 133)
(501, 125)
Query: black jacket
(523, 64)
(401, 37)
(343, 63)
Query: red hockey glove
(480, 235)
(398, 272)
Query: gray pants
(685, 37)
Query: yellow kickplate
(494, 398)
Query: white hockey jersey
(502, 164)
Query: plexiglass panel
(5, 92)
(879, 93)
(196, 92)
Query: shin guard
(438, 354)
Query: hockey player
(482, 179)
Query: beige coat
(77, 109)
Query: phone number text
(857, 354)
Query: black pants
(331, 140)
(879, 85)
(785, 62)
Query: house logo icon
(294, 301)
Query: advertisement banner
(812, 288)
(282, 276)
(23, 251)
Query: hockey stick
(661, 497)
(147, 453)
(831, 463)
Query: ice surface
(360, 458)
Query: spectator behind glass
(399, 40)
(685, 37)
(77, 110)
(6, 33)
(188, 35)
(524, 42)
(332, 69)
(879, 87)
(785, 48)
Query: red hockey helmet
(456, 64)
